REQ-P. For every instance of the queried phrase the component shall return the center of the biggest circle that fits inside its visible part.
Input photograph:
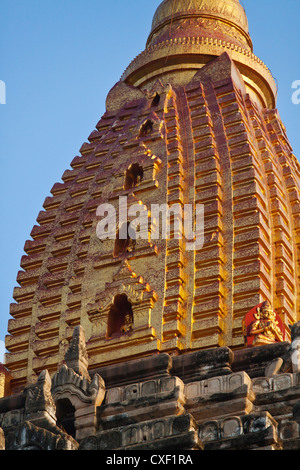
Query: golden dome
(187, 34)
(225, 19)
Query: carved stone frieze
(76, 386)
(170, 433)
(39, 404)
(233, 433)
(76, 356)
(66, 383)
(27, 436)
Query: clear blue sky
(59, 59)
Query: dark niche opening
(146, 128)
(120, 317)
(124, 245)
(156, 100)
(65, 414)
(133, 176)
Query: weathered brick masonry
(140, 344)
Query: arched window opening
(133, 176)
(146, 128)
(65, 414)
(124, 245)
(156, 100)
(120, 317)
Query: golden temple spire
(183, 128)
(187, 34)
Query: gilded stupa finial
(186, 34)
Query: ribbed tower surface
(192, 121)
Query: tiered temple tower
(192, 121)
